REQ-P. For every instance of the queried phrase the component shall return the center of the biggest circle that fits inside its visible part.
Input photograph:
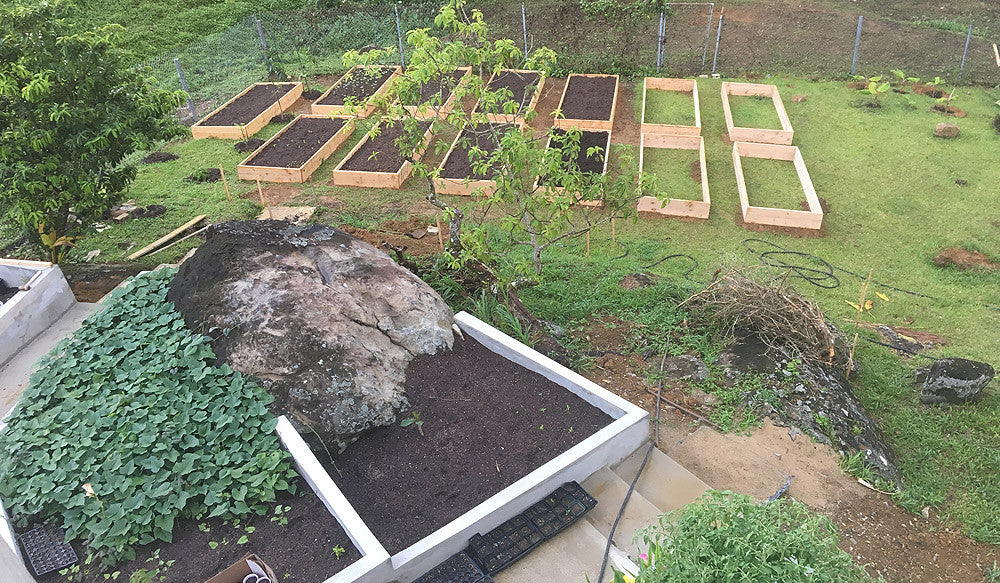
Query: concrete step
(15, 374)
(664, 482)
(609, 489)
(572, 556)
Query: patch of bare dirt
(804, 205)
(921, 337)
(949, 110)
(696, 171)
(964, 259)
(275, 194)
(410, 236)
(626, 129)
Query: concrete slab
(573, 556)
(664, 482)
(610, 489)
(15, 374)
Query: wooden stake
(263, 203)
(864, 293)
(225, 184)
(588, 244)
(850, 357)
(996, 53)
(613, 240)
(440, 234)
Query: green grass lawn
(751, 111)
(671, 171)
(668, 107)
(772, 183)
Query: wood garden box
(247, 113)
(650, 84)
(759, 135)
(674, 207)
(800, 219)
(295, 150)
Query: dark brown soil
(283, 118)
(593, 164)
(299, 142)
(522, 86)
(153, 210)
(928, 90)
(804, 205)
(248, 145)
(996, 123)
(857, 85)
(248, 106)
(157, 157)
(459, 165)
(964, 260)
(487, 422)
(6, 292)
(589, 97)
(438, 90)
(358, 85)
(383, 147)
(205, 175)
(948, 110)
(91, 282)
(312, 94)
(300, 550)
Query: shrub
(129, 425)
(731, 538)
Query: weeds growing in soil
(414, 420)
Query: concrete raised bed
(759, 135)
(811, 219)
(628, 431)
(235, 132)
(679, 86)
(674, 207)
(30, 312)
(246, 171)
(319, 108)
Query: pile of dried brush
(741, 303)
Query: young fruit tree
(71, 112)
(540, 181)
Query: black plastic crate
(458, 568)
(558, 510)
(47, 550)
(505, 544)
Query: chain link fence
(686, 39)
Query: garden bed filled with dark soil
(359, 85)
(485, 423)
(297, 537)
(442, 87)
(380, 153)
(590, 164)
(248, 106)
(589, 97)
(298, 143)
(6, 291)
(522, 86)
(459, 165)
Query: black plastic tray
(505, 544)
(458, 568)
(47, 550)
(558, 510)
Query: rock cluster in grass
(327, 321)
(953, 381)
(946, 130)
(815, 398)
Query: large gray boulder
(327, 321)
(953, 380)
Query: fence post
(965, 54)
(184, 86)
(399, 35)
(263, 44)
(659, 45)
(708, 31)
(524, 28)
(857, 45)
(718, 37)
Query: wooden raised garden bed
(525, 87)
(294, 153)
(675, 207)
(248, 113)
(759, 135)
(457, 175)
(437, 98)
(589, 164)
(588, 102)
(360, 83)
(424, 492)
(375, 161)
(687, 86)
(800, 219)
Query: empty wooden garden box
(286, 139)
(600, 138)
(756, 215)
(757, 135)
(351, 170)
(440, 111)
(674, 207)
(584, 112)
(500, 80)
(466, 185)
(331, 103)
(651, 84)
(254, 122)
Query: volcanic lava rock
(326, 321)
(953, 380)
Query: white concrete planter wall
(613, 443)
(30, 312)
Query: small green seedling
(876, 88)
(413, 419)
(338, 551)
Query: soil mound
(157, 157)
(205, 175)
(312, 94)
(326, 321)
(964, 260)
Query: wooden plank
(368, 179)
(152, 246)
(996, 53)
(784, 136)
(319, 109)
